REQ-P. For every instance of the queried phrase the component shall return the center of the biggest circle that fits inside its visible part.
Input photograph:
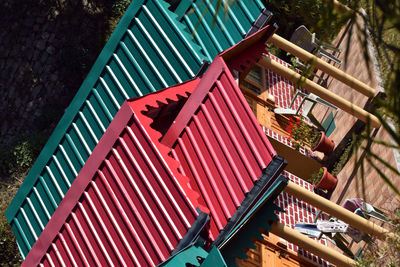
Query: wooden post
(322, 65)
(314, 88)
(310, 245)
(336, 211)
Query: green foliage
(344, 158)
(19, 155)
(16, 159)
(386, 253)
(302, 133)
(9, 253)
(115, 10)
(382, 19)
(119, 6)
(316, 177)
(274, 50)
(291, 14)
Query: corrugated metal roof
(219, 143)
(229, 27)
(248, 229)
(130, 204)
(226, 174)
(194, 255)
(249, 50)
(149, 50)
(127, 206)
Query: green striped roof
(149, 50)
(215, 35)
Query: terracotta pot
(325, 145)
(328, 181)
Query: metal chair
(338, 238)
(307, 40)
(306, 106)
(366, 210)
(361, 208)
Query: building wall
(272, 250)
(354, 65)
(301, 163)
(349, 185)
(297, 211)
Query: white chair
(306, 106)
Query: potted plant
(304, 134)
(322, 143)
(324, 180)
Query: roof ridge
(153, 100)
(249, 50)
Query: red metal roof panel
(219, 143)
(127, 206)
(130, 204)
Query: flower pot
(328, 181)
(325, 145)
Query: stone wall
(46, 50)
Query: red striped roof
(219, 143)
(127, 205)
(135, 198)
(217, 138)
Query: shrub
(9, 253)
(316, 177)
(383, 253)
(20, 154)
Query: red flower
(290, 126)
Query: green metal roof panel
(249, 228)
(149, 50)
(228, 28)
(195, 255)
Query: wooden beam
(322, 65)
(322, 92)
(340, 7)
(310, 245)
(337, 211)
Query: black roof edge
(193, 232)
(268, 176)
(203, 68)
(257, 220)
(262, 19)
